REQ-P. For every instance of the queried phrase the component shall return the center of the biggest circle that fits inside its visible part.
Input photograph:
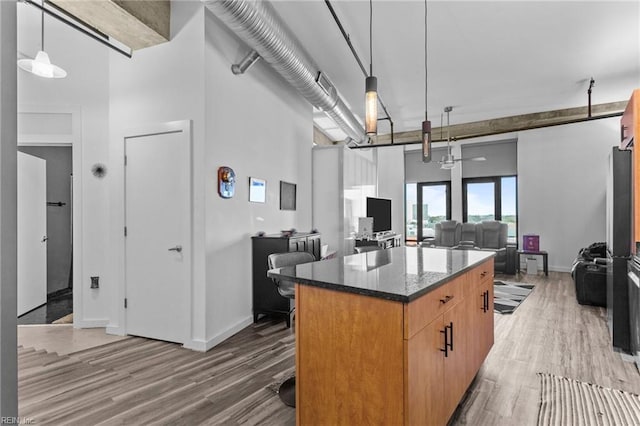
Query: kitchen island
(390, 337)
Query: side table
(545, 261)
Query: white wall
(85, 95)
(259, 126)
(160, 84)
(343, 178)
(8, 219)
(391, 161)
(562, 184)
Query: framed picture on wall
(287, 196)
(257, 190)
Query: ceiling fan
(448, 161)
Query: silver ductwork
(257, 24)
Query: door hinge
(125, 231)
(125, 303)
(125, 160)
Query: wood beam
(506, 124)
(137, 24)
(319, 138)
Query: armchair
(447, 234)
(492, 235)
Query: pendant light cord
(426, 116)
(42, 27)
(370, 38)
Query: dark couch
(489, 235)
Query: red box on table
(531, 242)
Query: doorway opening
(59, 235)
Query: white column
(456, 184)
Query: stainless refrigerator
(618, 236)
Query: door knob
(176, 248)
(44, 239)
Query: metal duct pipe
(257, 24)
(245, 63)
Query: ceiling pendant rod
(347, 38)
(42, 27)
(426, 124)
(74, 25)
(592, 82)
(371, 88)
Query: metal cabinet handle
(484, 301)
(44, 239)
(446, 299)
(451, 339)
(176, 248)
(446, 341)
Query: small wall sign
(226, 182)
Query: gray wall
(417, 171)
(562, 174)
(58, 218)
(501, 159)
(8, 219)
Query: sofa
(488, 235)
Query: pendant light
(371, 87)
(426, 124)
(41, 65)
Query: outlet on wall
(95, 282)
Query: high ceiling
(487, 59)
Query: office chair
(286, 288)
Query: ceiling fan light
(42, 66)
(447, 165)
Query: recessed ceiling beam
(319, 138)
(514, 123)
(136, 24)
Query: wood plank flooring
(140, 381)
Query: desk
(384, 241)
(545, 262)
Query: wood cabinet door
(474, 307)
(424, 376)
(485, 329)
(455, 363)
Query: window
(426, 204)
(491, 198)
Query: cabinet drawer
(481, 273)
(423, 310)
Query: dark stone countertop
(400, 273)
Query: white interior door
(158, 235)
(32, 232)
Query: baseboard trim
(205, 345)
(115, 330)
(91, 323)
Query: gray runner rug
(571, 402)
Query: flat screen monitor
(380, 210)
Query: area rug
(508, 296)
(571, 402)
